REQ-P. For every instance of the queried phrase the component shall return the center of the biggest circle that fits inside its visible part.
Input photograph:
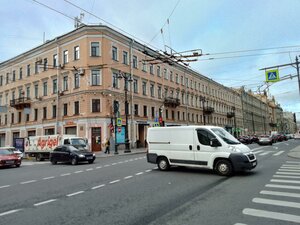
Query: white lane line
(147, 171)
(120, 162)
(99, 186)
(114, 164)
(75, 193)
(45, 202)
(265, 153)
(254, 149)
(276, 202)
(136, 158)
(271, 215)
(293, 162)
(10, 212)
(278, 153)
(128, 177)
(28, 182)
(79, 171)
(48, 178)
(90, 169)
(65, 174)
(98, 167)
(288, 173)
(283, 186)
(288, 170)
(114, 181)
(279, 193)
(126, 161)
(140, 173)
(106, 165)
(275, 148)
(4, 186)
(285, 176)
(285, 181)
(240, 224)
(256, 152)
(290, 165)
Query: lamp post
(127, 78)
(234, 119)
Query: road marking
(4, 186)
(140, 173)
(99, 186)
(288, 173)
(27, 182)
(289, 170)
(120, 162)
(256, 152)
(90, 169)
(284, 176)
(279, 193)
(45, 202)
(291, 165)
(65, 174)
(265, 153)
(285, 181)
(128, 177)
(47, 178)
(254, 149)
(79, 171)
(114, 164)
(75, 193)
(10, 212)
(126, 161)
(276, 202)
(283, 186)
(147, 171)
(240, 224)
(114, 181)
(271, 215)
(293, 162)
(98, 167)
(106, 165)
(275, 148)
(278, 153)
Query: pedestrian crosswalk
(263, 152)
(280, 199)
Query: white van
(208, 147)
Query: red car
(9, 158)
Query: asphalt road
(128, 190)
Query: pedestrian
(107, 146)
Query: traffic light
(116, 106)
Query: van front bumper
(242, 162)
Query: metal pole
(127, 147)
(297, 66)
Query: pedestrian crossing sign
(272, 75)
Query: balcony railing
(208, 110)
(171, 102)
(20, 103)
(230, 114)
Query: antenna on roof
(78, 21)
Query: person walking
(107, 146)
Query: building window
(12, 118)
(178, 115)
(134, 62)
(20, 117)
(1, 80)
(65, 109)
(44, 113)
(167, 114)
(36, 114)
(151, 69)
(152, 112)
(76, 80)
(144, 66)
(152, 90)
(136, 109)
(95, 105)
(158, 71)
(76, 53)
(65, 83)
(145, 111)
(28, 92)
(96, 79)
(45, 64)
(115, 81)
(159, 92)
(37, 67)
(20, 73)
(114, 53)
(45, 88)
(171, 76)
(125, 58)
(54, 60)
(166, 74)
(54, 86)
(176, 78)
(14, 76)
(36, 90)
(76, 108)
(144, 87)
(135, 85)
(27, 117)
(65, 57)
(54, 111)
(95, 49)
(28, 70)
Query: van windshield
(78, 141)
(228, 138)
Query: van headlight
(234, 149)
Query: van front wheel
(163, 163)
(224, 168)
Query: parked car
(16, 151)
(265, 140)
(70, 154)
(254, 139)
(9, 158)
(245, 139)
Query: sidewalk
(295, 153)
(121, 152)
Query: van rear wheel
(224, 168)
(163, 163)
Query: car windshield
(228, 138)
(73, 149)
(6, 152)
(78, 141)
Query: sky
(236, 37)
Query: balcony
(273, 124)
(171, 102)
(20, 103)
(208, 110)
(230, 114)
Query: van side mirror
(214, 142)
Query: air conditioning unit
(81, 71)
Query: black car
(68, 153)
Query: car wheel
(18, 165)
(224, 167)
(74, 161)
(163, 163)
(38, 157)
(90, 161)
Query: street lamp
(234, 119)
(127, 78)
